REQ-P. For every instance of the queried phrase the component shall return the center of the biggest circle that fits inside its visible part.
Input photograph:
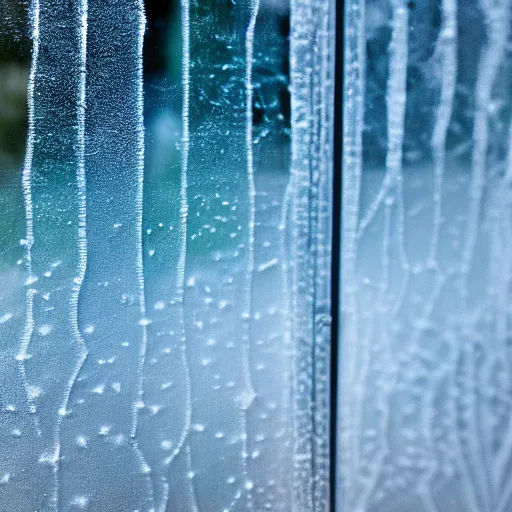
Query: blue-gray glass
(165, 192)
(425, 419)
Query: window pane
(425, 416)
(165, 255)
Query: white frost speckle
(81, 441)
(5, 318)
(99, 389)
(159, 305)
(79, 501)
(45, 329)
(104, 430)
(269, 264)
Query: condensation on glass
(425, 420)
(165, 255)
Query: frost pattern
(309, 216)
(425, 385)
(165, 327)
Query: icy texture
(425, 378)
(165, 301)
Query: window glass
(165, 190)
(425, 382)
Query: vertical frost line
(143, 322)
(396, 107)
(447, 51)
(185, 143)
(185, 148)
(396, 103)
(295, 40)
(395, 100)
(497, 17)
(27, 194)
(311, 68)
(192, 489)
(82, 202)
(247, 312)
(322, 231)
(353, 105)
(82, 237)
(300, 78)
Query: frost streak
(82, 234)
(139, 261)
(185, 149)
(355, 57)
(446, 51)
(192, 488)
(249, 56)
(396, 99)
(300, 75)
(311, 68)
(138, 206)
(27, 194)
(497, 17)
(322, 236)
(447, 48)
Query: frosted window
(165, 196)
(425, 378)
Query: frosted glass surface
(425, 419)
(165, 191)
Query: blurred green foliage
(13, 113)
(14, 65)
(14, 43)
